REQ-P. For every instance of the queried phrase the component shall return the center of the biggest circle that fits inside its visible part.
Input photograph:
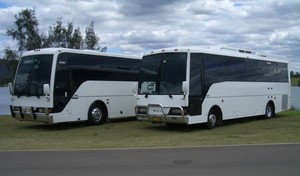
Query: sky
(139, 26)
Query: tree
(10, 59)
(76, 39)
(91, 39)
(27, 33)
(10, 54)
(65, 37)
(57, 35)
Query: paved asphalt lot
(283, 160)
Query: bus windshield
(163, 74)
(33, 72)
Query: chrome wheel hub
(96, 114)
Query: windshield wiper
(20, 89)
(165, 86)
(36, 93)
(18, 92)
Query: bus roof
(68, 50)
(223, 50)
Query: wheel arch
(271, 114)
(102, 104)
(219, 117)
(271, 102)
(218, 110)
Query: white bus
(210, 84)
(56, 85)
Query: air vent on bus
(236, 50)
(270, 56)
(245, 51)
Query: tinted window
(265, 71)
(196, 74)
(173, 73)
(224, 68)
(33, 72)
(102, 61)
(149, 74)
(90, 67)
(163, 74)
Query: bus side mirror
(46, 89)
(134, 88)
(185, 88)
(11, 89)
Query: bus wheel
(96, 114)
(212, 119)
(270, 111)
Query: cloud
(137, 26)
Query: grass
(295, 81)
(15, 135)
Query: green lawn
(15, 135)
(295, 81)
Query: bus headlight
(43, 110)
(16, 108)
(141, 110)
(177, 111)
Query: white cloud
(138, 26)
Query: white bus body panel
(242, 99)
(119, 104)
(235, 99)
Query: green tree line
(28, 36)
(295, 78)
(26, 33)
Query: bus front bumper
(156, 113)
(31, 114)
(163, 119)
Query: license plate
(156, 119)
(155, 110)
(26, 110)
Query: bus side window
(196, 75)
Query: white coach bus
(63, 85)
(210, 84)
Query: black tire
(270, 111)
(96, 114)
(213, 117)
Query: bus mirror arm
(185, 88)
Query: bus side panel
(117, 96)
(75, 110)
(234, 107)
(242, 99)
(78, 109)
(122, 106)
(255, 105)
(63, 116)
